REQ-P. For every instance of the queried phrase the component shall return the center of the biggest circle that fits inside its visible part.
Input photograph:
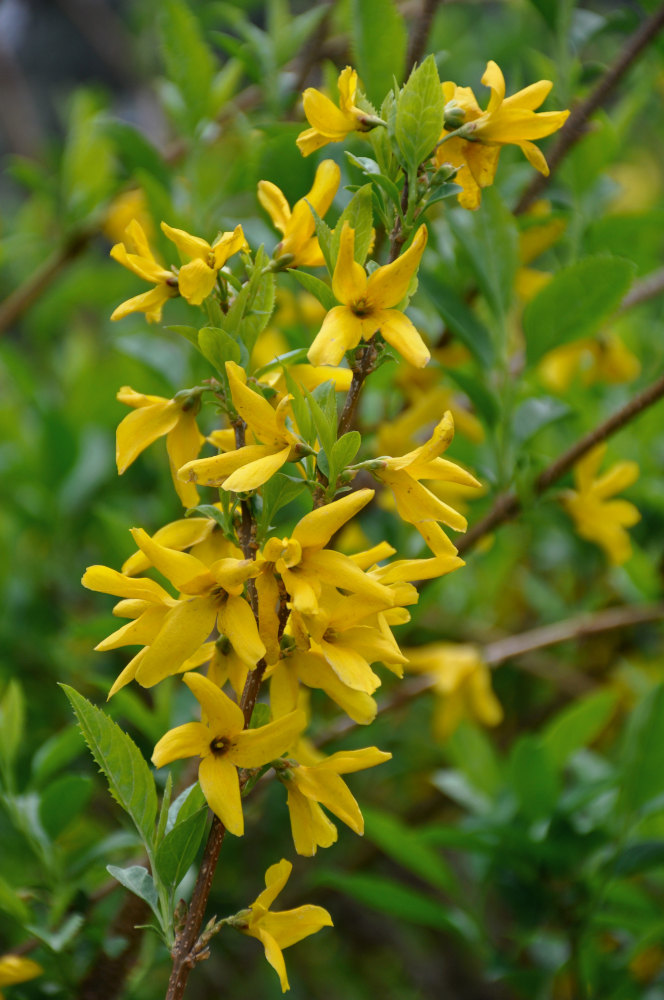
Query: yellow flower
(249, 467)
(321, 784)
(593, 359)
(368, 305)
(462, 681)
(154, 417)
(125, 207)
(283, 928)
(202, 535)
(135, 254)
(304, 563)
(415, 503)
(597, 518)
(198, 277)
(297, 227)
(16, 969)
(223, 744)
(506, 121)
(330, 123)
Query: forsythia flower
(223, 744)
(124, 208)
(368, 305)
(462, 681)
(330, 123)
(593, 359)
(321, 784)
(197, 278)
(135, 254)
(283, 928)
(154, 417)
(297, 227)
(506, 121)
(16, 969)
(597, 518)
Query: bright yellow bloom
(415, 503)
(249, 467)
(201, 535)
(197, 278)
(462, 681)
(506, 121)
(16, 969)
(124, 208)
(321, 784)
(593, 359)
(597, 518)
(305, 564)
(154, 417)
(283, 928)
(297, 227)
(223, 744)
(135, 254)
(368, 305)
(330, 123)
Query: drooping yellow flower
(135, 254)
(506, 121)
(330, 123)
(592, 359)
(598, 518)
(305, 564)
(462, 682)
(321, 784)
(280, 929)
(297, 227)
(223, 744)
(201, 535)
(369, 305)
(415, 503)
(17, 969)
(249, 467)
(197, 278)
(154, 417)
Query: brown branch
(642, 291)
(420, 36)
(508, 505)
(576, 125)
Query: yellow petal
(140, 632)
(151, 303)
(288, 927)
(530, 97)
(254, 474)
(185, 628)
(109, 581)
(274, 203)
(275, 879)
(310, 140)
(141, 427)
(325, 117)
(267, 590)
(190, 246)
(439, 441)
(618, 478)
(178, 535)
(315, 672)
(16, 969)
(349, 282)
(237, 622)
(388, 285)
(331, 791)
(183, 444)
(227, 245)
(273, 955)
(347, 84)
(310, 827)
(127, 675)
(341, 331)
(339, 571)
(221, 787)
(346, 761)
(253, 408)
(190, 740)
(196, 281)
(416, 503)
(317, 528)
(494, 78)
(255, 747)
(178, 567)
(400, 333)
(351, 668)
(224, 717)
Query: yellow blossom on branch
(197, 278)
(135, 254)
(223, 744)
(368, 305)
(154, 417)
(280, 929)
(17, 969)
(592, 359)
(461, 682)
(321, 784)
(330, 123)
(598, 518)
(505, 121)
(297, 227)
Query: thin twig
(642, 291)
(420, 36)
(508, 505)
(575, 126)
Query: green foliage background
(526, 862)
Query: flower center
(361, 307)
(220, 745)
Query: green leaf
(322, 292)
(62, 801)
(461, 320)
(578, 725)
(135, 150)
(533, 415)
(277, 493)
(405, 846)
(420, 114)
(12, 720)
(638, 858)
(190, 333)
(178, 849)
(343, 452)
(490, 239)
(575, 303)
(186, 804)
(533, 778)
(218, 347)
(323, 409)
(642, 777)
(129, 777)
(371, 169)
(58, 939)
(483, 398)
(11, 903)
(358, 213)
(324, 237)
(189, 62)
(260, 301)
(138, 880)
(378, 58)
(164, 809)
(471, 750)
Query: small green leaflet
(420, 114)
